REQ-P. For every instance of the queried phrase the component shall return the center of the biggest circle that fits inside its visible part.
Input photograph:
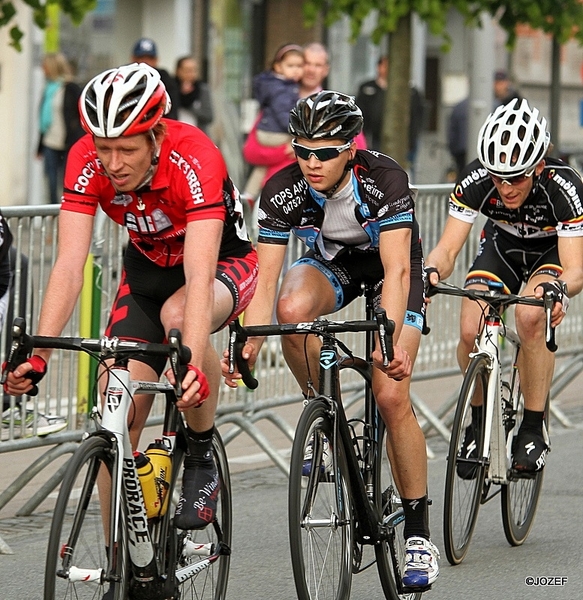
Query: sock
(200, 447)
(416, 517)
(532, 420)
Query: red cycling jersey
(191, 183)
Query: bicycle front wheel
(520, 496)
(465, 473)
(202, 572)
(81, 562)
(390, 553)
(320, 514)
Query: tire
(209, 583)
(78, 525)
(463, 494)
(520, 496)
(320, 512)
(390, 553)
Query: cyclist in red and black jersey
(354, 209)
(533, 239)
(189, 263)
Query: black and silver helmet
(325, 115)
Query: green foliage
(561, 18)
(76, 9)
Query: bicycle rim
(320, 524)
(520, 496)
(77, 539)
(390, 553)
(206, 576)
(464, 478)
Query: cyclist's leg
(536, 366)
(306, 294)
(233, 289)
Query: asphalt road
(261, 567)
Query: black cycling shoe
(529, 451)
(468, 451)
(200, 491)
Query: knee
(293, 308)
(529, 323)
(171, 315)
(394, 406)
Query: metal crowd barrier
(66, 390)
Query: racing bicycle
(342, 502)
(491, 402)
(106, 546)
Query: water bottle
(147, 480)
(159, 455)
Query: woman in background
(60, 126)
(195, 99)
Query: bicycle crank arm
(191, 570)
(77, 574)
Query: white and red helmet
(125, 101)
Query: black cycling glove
(559, 290)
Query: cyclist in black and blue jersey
(532, 240)
(354, 209)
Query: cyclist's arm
(201, 251)
(571, 258)
(395, 254)
(443, 256)
(63, 288)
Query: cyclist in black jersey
(354, 209)
(533, 239)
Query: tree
(76, 9)
(563, 20)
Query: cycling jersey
(383, 202)
(552, 208)
(191, 183)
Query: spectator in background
(371, 99)
(60, 126)
(195, 100)
(277, 92)
(457, 130)
(145, 51)
(316, 69)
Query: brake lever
(549, 300)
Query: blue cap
(145, 47)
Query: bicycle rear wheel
(520, 496)
(390, 553)
(465, 473)
(202, 570)
(77, 539)
(320, 510)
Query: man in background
(371, 100)
(145, 51)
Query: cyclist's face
(514, 195)
(126, 160)
(323, 174)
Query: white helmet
(124, 101)
(513, 139)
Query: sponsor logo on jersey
(148, 224)
(570, 191)
(190, 174)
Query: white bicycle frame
(118, 399)
(496, 452)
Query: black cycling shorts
(145, 286)
(511, 260)
(351, 268)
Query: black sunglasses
(322, 154)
